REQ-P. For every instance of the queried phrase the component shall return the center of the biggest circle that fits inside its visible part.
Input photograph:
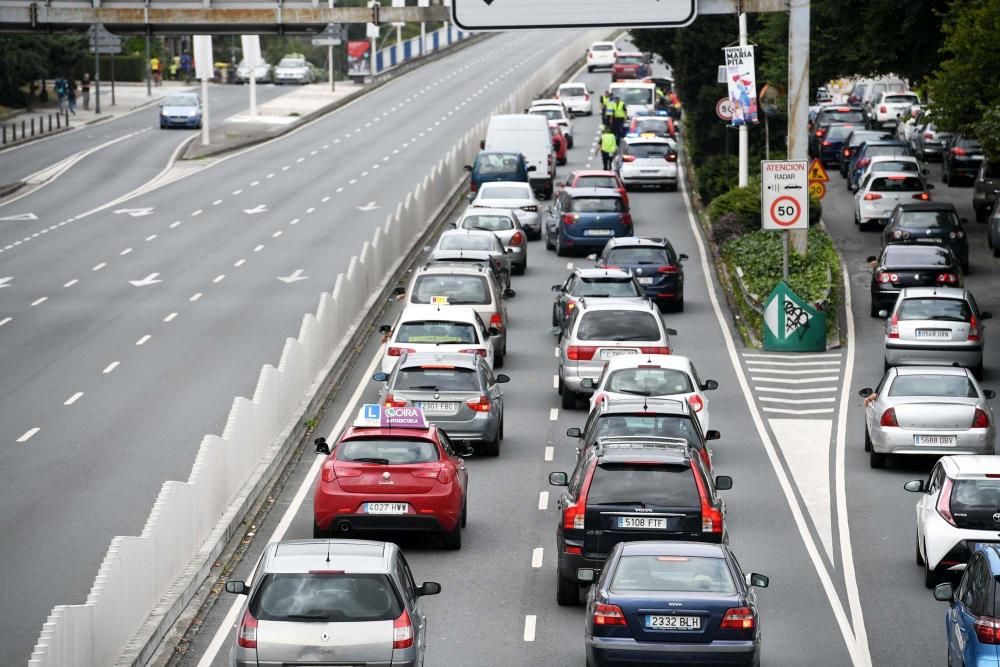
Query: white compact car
(959, 506)
(435, 329)
(554, 111)
(879, 194)
(517, 197)
(601, 54)
(576, 98)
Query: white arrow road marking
(148, 280)
(259, 208)
(370, 206)
(295, 277)
(135, 212)
(5, 282)
(21, 216)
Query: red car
(559, 143)
(631, 65)
(403, 475)
(597, 178)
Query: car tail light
(980, 419)
(531, 209)
(923, 196)
(711, 518)
(669, 269)
(820, 132)
(440, 473)
(987, 629)
(883, 109)
(396, 351)
(900, 234)
(973, 328)
(246, 635)
(944, 501)
(586, 98)
(696, 403)
(627, 219)
(894, 326)
(847, 152)
(517, 238)
(928, 135)
(738, 618)
(628, 158)
(671, 157)
(884, 277)
(958, 150)
(570, 305)
(580, 352)
(569, 218)
(608, 614)
(473, 186)
(947, 278)
(393, 402)
(479, 351)
(496, 321)
(826, 142)
(864, 162)
(402, 631)
(872, 196)
(655, 349)
(481, 404)
(888, 418)
(329, 472)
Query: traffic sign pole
(744, 130)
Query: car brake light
(481, 404)
(627, 219)
(820, 132)
(671, 157)
(569, 218)
(496, 321)
(393, 402)
(958, 234)
(246, 636)
(947, 278)
(711, 518)
(669, 268)
(884, 277)
(696, 403)
(944, 501)
(517, 238)
(888, 418)
(402, 631)
(479, 351)
(872, 196)
(655, 349)
(396, 351)
(863, 162)
(473, 187)
(628, 158)
(580, 352)
(847, 152)
(329, 472)
(883, 109)
(923, 196)
(987, 629)
(973, 328)
(826, 142)
(894, 326)
(980, 419)
(738, 618)
(958, 150)
(608, 614)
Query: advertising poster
(741, 79)
(359, 57)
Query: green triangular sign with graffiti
(791, 324)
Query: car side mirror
(944, 592)
(468, 167)
(509, 293)
(671, 332)
(321, 446)
(453, 225)
(557, 288)
(915, 486)
(385, 329)
(866, 392)
(493, 331)
(723, 483)
(237, 587)
(710, 385)
(574, 432)
(509, 251)
(758, 580)
(682, 257)
(399, 291)
(586, 575)
(380, 376)
(429, 588)
(502, 379)
(588, 383)
(712, 434)
(558, 479)
(986, 315)
(989, 394)
(871, 259)
(471, 197)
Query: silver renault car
(506, 225)
(331, 602)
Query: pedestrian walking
(621, 115)
(609, 146)
(71, 95)
(154, 68)
(85, 90)
(60, 88)
(186, 67)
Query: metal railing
(16, 131)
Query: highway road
(135, 327)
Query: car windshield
(495, 191)
(292, 62)
(651, 381)
(628, 60)
(387, 451)
(933, 384)
(551, 114)
(436, 377)
(647, 150)
(975, 494)
(903, 255)
(618, 325)
(596, 182)
(597, 205)
(602, 47)
(842, 116)
(467, 242)
(497, 164)
(651, 125)
(634, 95)
(489, 223)
(839, 132)
(858, 138)
(934, 308)
(436, 332)
(675, 574)
(610, 287)
(897, 184)
(460, 289)
(638, 255)
(902, 99)
(872, 151)
(325, 597)
(573, 91)
(667, 426)
(663, 485)
(947, 220)
(895, 165)
(180, 101)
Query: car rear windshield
(460, 289)
(628, 60)
(858, 138)
(497, 164)
(504, 192)
(650, 381)
(292, 62)
(975, 494)
(618, 325)
(935, 308)
(466, 242)
(597, 205)
(436, 332)
(903, 255)
(638, 255)
(573, 91)
(664, 485)
(895, 165)
(902, 99)
(665, 426)
(326, 598)
(933, 384)
(969, 144)
(897, 184)
(551, 114)
(839, 132)
(597, 182)
(653, 125)
(436, 378)
(647, 150)
(873, 151)
(681, 574)
(634, 95)
(837, 116)
(610, 286)
(602, 47)
(489, 223)
(387, 451)
(929, 220)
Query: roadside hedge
(744, 204)
(758, 254)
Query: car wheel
(453, 539)
(568, 397)
(977, 370)
(981, 214)
(874, 308)
(916, 549)
(555, 318)
(498, 359)
(548, 241)
(500, 430)
(567, 591)
(876, 460)
(996, 248)
(569, 141)
(319, 533)
(465, 513)
(560, 251)
(868, 439)
(678, 306)
(930, 577)
(492, 447)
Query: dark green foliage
(758, 254)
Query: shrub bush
(726, 228)
(716, 176)
(744, 203)
(759, 255)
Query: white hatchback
(879, 194)
(434, 328)
(576, 98)
(601, 54)
(554, 111)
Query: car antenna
(328, 541)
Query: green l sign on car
(791, 324)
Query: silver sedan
(517, 197)
(927, 410)
(507, 227)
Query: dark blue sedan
(585, 219)
(674, 603)
(971, 622)
(656, 266)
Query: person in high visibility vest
(621, 115)
(608, 110)
(609, 146)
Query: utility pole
(798, 95)
(744, 129)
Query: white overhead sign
(506, 14)
(784, 198)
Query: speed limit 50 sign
(784, 194)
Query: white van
(529, 135)
(640, 97)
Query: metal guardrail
(14, 132)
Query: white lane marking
(285, 168)
(216, 202)
(195, 214)
(787, 371)
(28, 434)
(340, 189)
(219, 278)
(759, 378)
(110, 367)
(302, 159)
(195, 296)
(73, 399)
(239, 263)
(125, 251)
(549, 453)
(100, 266)
(276, 234)
(543, 500)
(364, 173)
(150, 237)
(784, 411)
(143, 340)
(271, 175)
(351, 182)
(325, 199)
(825, 355)
(308, 210)
(557, 350)
(752, 363)
(254, 184)
(553, 414)
(170, 317)
(175, 224)
(555, 381)
(314, 152)
(222, 634)
(786, 486)
(6, 320)
(782, 390)
(259, 248)
(71, 283)
(795, 401)
(529, 627)
(39, 301)
(237, 192)
(536, 557)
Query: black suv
(628, 490)
(833, 113)
(961, 158)
(923, 223)
(657, 267)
